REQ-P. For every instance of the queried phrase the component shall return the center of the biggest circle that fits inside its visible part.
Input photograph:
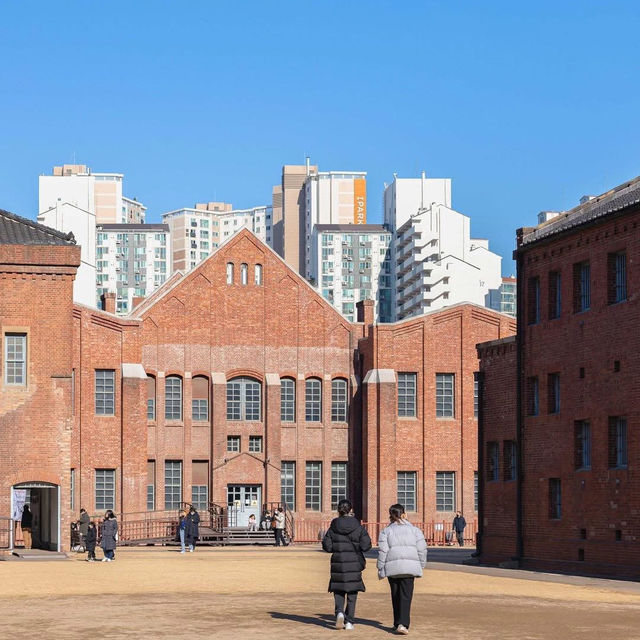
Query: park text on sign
(360, 201)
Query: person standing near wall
(83, 526)
(90, 541)
(109, 536)
(182, 530)
(192, 531)
(25, 524)
(459, 524)
(279, 527)
(401, 559)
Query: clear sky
(525, 105)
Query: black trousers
(460, 536)
(279, 537)
(339, 597)
(401, 596)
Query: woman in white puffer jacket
(401, 558)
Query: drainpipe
(520, 274)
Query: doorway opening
(242, 501)
(43, 499)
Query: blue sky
(526, 106)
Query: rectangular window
(105, 489)
(407, 490)
(287, 400)
(105, 380)
(173, 398)
(313, 400)
(313, 489)
(555, 499)
(532, 396)
(200, 496)
(444, 395)
(255, 444)
(407, 395)
(338, 483)
(493, 461)
(582, 449)
(476, 395)
(445, 491)
(475, 490)
(533, 300)
(244, 399)
(151, 398)
(617, 443)
(616, 277)
(73, 489)
(581, 286)
(288, 484)
(172, 484)
(339, 402)
(509, 453)
(233, 444)
(200, 409)
(555, 295)
(553, 392)
(15, 358)
(151, 485)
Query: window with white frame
(255, 444)
(313, 400)
(15, 358)
(445, 390)
(233, 444)
(244, 273)
(407, 395)
(151, 485)
(244, 399)
(105, 489)
(229, 272)
(287, 400)
(151, 398)
(200, 496)
(258, 274)
(172, 484)
(105, 381)
(313, 488)
(288, 484)
(338, 483)
(173, 398)
(407, 490)
(200, 399)
(445, 491)
(339, 400)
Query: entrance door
(44, 501)
(242, 501)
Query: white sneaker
(190, 550)
(340, 621)
(402, 630)
(348, 626)
(105, 559)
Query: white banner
(19, 498)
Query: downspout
(519, 403)
(480, 463)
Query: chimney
(364, 310)
(109, 302)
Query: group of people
(401, 558)
(188, 529)
(270, 522)
(108, 535)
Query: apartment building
(352, 262)
(132, 261)
(505, 299)
(196, 232)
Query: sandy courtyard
(281, 593)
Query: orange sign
(360, 200)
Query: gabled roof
(622, 197)
(15, 229)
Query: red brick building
(236, 383)
(573, 500)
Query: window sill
(174, 423)
(620, 468)
(407, 418)
(200, 423)
(446, 418)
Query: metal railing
(289, 523)
(7, 529)
(435, 533)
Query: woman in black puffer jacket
(347, 541)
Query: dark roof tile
(15, 229)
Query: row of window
(244, 273)
(445, 395)
(616, 288)
(407, 490)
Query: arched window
(229, 272)
(200, 399)
(287, 400)
(151, 398)
(244, 273)
(339, 400)
(258, 274)
(173, 398)
(313, 400)
(244, 399)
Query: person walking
(191, 531)
(347, 541)
(401, 559)
(25, 524)
(279, 526)
(109, 536)
(90, 540)
(459, 523)
(83, 526)
(182, 530)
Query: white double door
(242, 501)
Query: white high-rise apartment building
(132, 261)
(352, 262)
(196, 232)
(74, 199)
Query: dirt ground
(281, 593)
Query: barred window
(288, 484)
(616, 277)
(554, 392)
(617, 442)
(313, 489)
(581, 286)
(338, 483)
(445, 491)
(172, 484)
(233, 444)
(105, 489)
(151, 398)
(339, 402)
(105, 392)
(582, 449)
(445, 389)
(407, 395)
(509, 453)
(533, 406)
(173, 398)
(244, 399)
(15, 358)
(255, 444)
(287, 400)
(555, 499)
(533, 300)
(493, 461)
(313, 400)
(555, 295)
(407, 490)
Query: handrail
(7, 527)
